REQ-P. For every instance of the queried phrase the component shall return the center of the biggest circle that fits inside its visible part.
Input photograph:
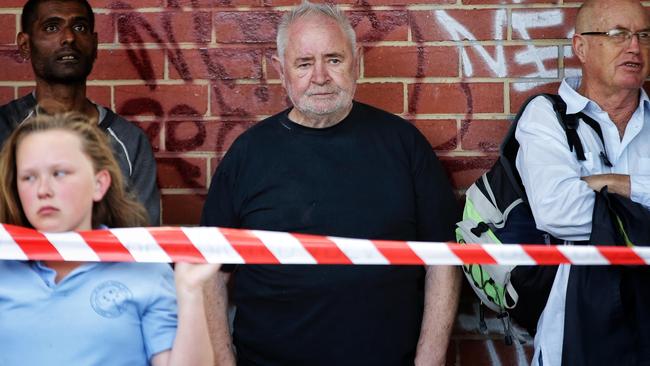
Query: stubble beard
(49, 70)
(310, 105)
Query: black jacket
(607, 318)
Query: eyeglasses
(621, 36)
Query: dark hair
(116, 209)
(28, 17)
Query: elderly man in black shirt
(332, 166)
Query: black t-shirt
(372, 176)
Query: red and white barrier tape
(219, 245)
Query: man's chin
(67, 75)
(323, 109)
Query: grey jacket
(130, 145)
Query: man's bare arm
(216, 302)
(441, 293)
(616, 183)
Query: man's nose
(321, 74)
(67, 35)
(634, 45)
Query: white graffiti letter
(458, 33)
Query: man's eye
(618, 33)
(335, 61)
(304, 66)
(51, 28)
(82, 28)
(60, 173)
(644, 35)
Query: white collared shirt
(561, 202)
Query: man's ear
(22, 40)
(580, 47)
(102, 183)
(277, 65)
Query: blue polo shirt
(100, 314)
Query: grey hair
(309, 9)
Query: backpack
(496, 211)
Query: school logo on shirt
(110, 299)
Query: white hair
(309, 9)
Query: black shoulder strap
(570, 123)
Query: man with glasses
(612, 42)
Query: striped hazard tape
(220, 245)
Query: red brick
(297, 2)
(99, 94)
(126, 4)
(182, 172)
(479, 23)
(556, 23)
(476, 2)
(246, 26)
(14, 67)
(491, 352)
(211, 3)
(24, 90)
(6, 94)
(387, 96)
(465, 98)
(166, 27)
(139, 64)
(246, 100)
(483, 135)
(384, 25)
(208, 136)
(170, 100)
(519, 92)
(216, 63)
(464, 171)
(105, 28)
(8, 31)
(518, 61)
(442, 134)
(182, 209)
(13, 3)
(406, 2)
(410, 62)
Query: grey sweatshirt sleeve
(136, 159)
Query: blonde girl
(57, 174)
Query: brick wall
(194, 74)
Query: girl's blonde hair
(117, 209)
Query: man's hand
(616, 183)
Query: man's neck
(318, 121)
(619, 105)
(60, 98)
